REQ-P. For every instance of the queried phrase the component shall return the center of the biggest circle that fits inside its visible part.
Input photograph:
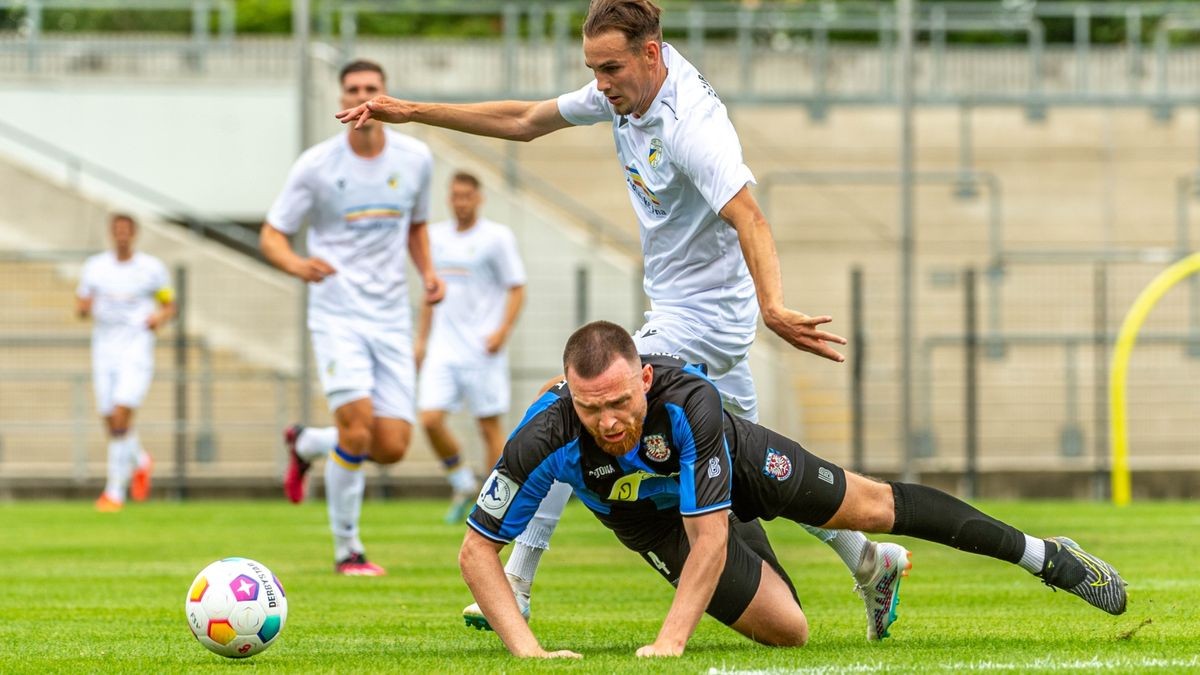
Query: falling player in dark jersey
(648, 449)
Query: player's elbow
(524, 130)
(521, 134)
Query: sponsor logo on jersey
(714, 467)
(777, 465)
(656, 154)
(825, 475)
(633, 178)
(373, 215)
(497, 493)
(656, 448)
(601, 471)
(628, 488)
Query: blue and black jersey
(681, 465)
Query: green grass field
(88, 592)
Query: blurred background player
(709, 255)
(460, 345)
(365, 195)
(128, 295)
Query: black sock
(933, 515)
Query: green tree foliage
(275, 17)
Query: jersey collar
(664, 102)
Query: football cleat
(106, 504)
(474, 618)
(1080, 573)
(139, 485)
(293, 477)
(459, 505)
(877, 582)
(358, 566)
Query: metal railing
(814, 54)
(33, 38)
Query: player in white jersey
(128, 295)
(365, 196)
(709, 252)
(460, 344)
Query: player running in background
(649, 450)
(128, 295)
(365, 195)
(709, 255)
(460, 345)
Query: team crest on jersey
(393, 180)
(656, 448)
(656, 154)
(714, 468)
(777, 465)
(497, 494)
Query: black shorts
(774, 476)
(667, 550)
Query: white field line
(1042, 664)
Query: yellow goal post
(1149, 297)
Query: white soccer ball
(236, 607)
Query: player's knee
(354, 438)
(794, 635)
(389, 451)
(873, 509)
(790, 630)
(432, 420)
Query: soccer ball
(236, 607)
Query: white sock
(136, 453)
(315, 442)
(1034, 557)
(848, 544)
(118, 472)
(535, 540)
(344, 486)
(462, 480)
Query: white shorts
(121, 373)
(354, 364)
(725, 354)
(444, 386)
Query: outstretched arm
(510, 120)
(758, 247)
(479, 560)
(708, 537)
